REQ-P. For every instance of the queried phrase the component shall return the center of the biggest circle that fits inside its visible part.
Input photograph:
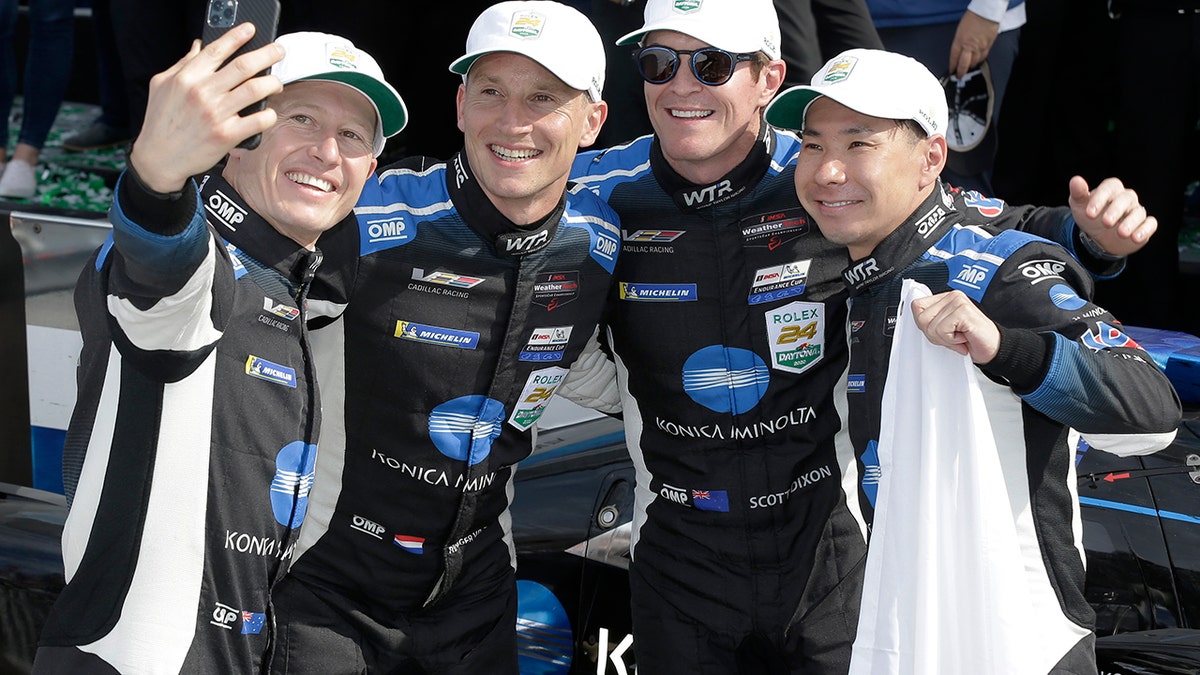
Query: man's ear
(594, 119)
(772, 79)
(934, 159)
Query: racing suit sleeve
(592, 380)
(1068, 359)
(168, 282)
(1056, 224)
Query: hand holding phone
(221, 15)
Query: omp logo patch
(1037, 271)
(227, 212)
(387, 229)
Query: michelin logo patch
(779, 282)
(797, 335)
(540, 386)
(434, 335)
(271, 372)
(547, 344)
(635, 292)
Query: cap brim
(393, 115)
(633, 38)
(787, 110)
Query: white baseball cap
(321, 56)
(873, 82)
(558, 37)
(739, 26)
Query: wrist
(1095, 249)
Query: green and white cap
(557, 36)
(739, 26)
(321, 56)
(870, 81)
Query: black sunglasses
(710, 65)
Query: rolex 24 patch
(536, 396)
(797, 335)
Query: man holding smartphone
(191, 448)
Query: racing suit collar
(906, 243)
(482, 216)
(254, 235)
(690, 197)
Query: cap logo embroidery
(840, 69)
(687, 5)
(526, 25)
(340, 56)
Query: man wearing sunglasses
(726, 327)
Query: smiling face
(307, 172)
(705, 131)
(522, 127)
(861, 177)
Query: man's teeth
(313, 181)
(837, 203)
(514, 155)
(690, 113)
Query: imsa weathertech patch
(555, 289)
(797, 334)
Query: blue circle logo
(726, 380)
(1065, 297)
(294, 468)
(464, 428)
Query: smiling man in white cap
(475, 284)
(190, 452)
(873, 125)
(748, 538)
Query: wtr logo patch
(464, 428)
(294, 469)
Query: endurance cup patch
(797, 335)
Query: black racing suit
(459, 327)
(1064, 357)
(191, 448)
(727, 326)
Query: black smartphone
(221, 15)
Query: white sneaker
(19, 180)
